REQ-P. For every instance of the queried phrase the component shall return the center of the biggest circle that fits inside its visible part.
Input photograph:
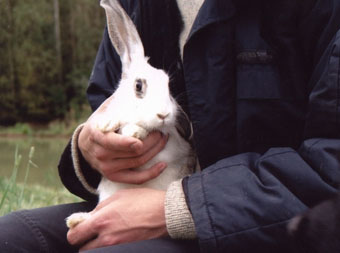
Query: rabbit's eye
(140, 87)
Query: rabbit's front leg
(76, 218)
(107, 124)
(134, 130)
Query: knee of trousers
(20, 233)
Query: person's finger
(139, 176)
(150, 141)
(102, 154)
(138, 148)
(116, 168)
(114, 142)
(103, 241)
(93, 244)
(147, 155)
(82, 233)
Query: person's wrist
(163, 232)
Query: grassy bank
(15, 196)
(21, 196)
(60, 128)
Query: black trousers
(44, 230)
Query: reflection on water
(46, 157)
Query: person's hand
(129, 215)
(114, 155)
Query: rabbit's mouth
(156, 124)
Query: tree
(47, 50)
(57, 38)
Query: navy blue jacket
(260, 81)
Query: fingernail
(162, 166)
(135, 146)
(166, 136)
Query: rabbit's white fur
(126, 108)
(136, 114)
(176, 154)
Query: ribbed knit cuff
(76, 160)
(179, 222)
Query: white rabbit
(142, 103)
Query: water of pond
(46, 157)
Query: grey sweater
(189, 10)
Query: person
(260, 81)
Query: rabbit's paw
(106, 125)
(134, 131)
(76, 218)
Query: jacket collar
(212, 11)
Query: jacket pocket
(270, 111)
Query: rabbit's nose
(162, 116)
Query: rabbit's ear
(122, 33)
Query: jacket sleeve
(243, 203)
(70, 179)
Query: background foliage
(47, 49)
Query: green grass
(15, 196)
